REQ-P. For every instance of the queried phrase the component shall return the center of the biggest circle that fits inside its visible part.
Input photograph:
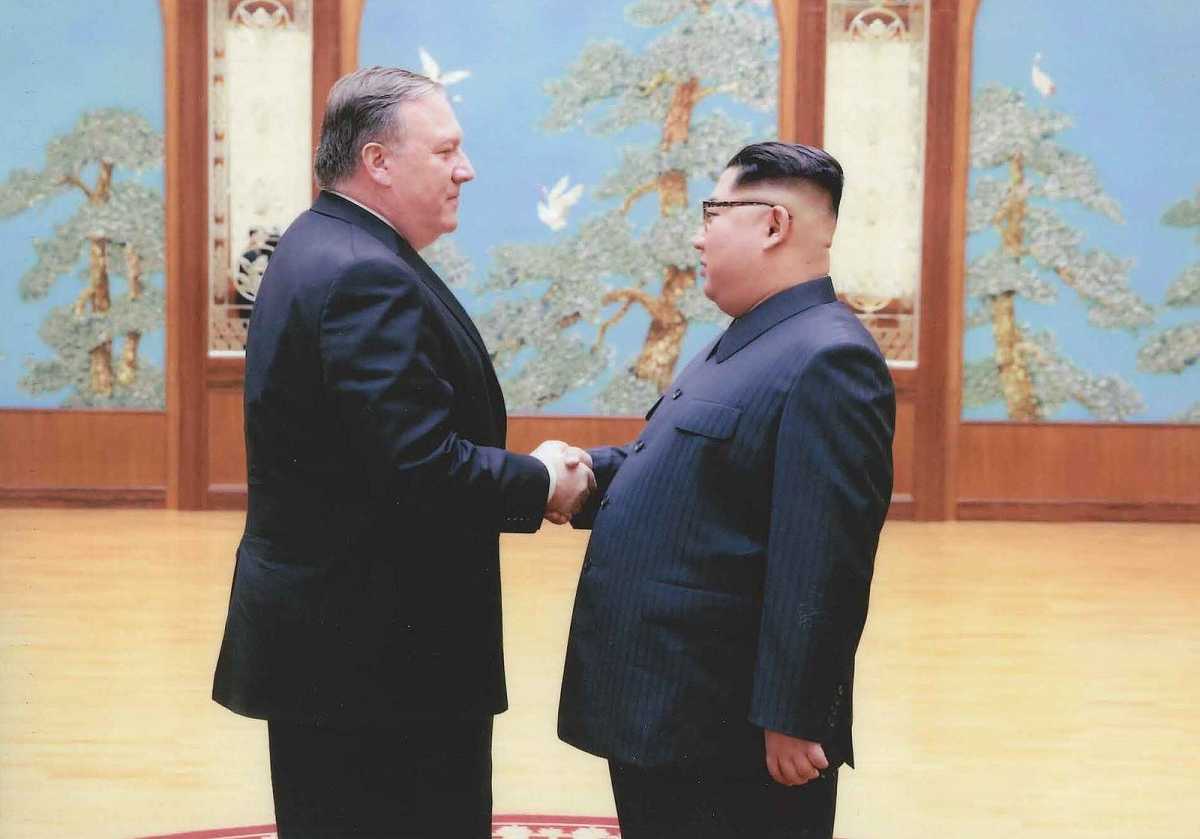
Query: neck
(367, 195)
(793, 272)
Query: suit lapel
(333, 205)
(443, 292)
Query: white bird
(552, 212)
(431, 69)
(1041, 81)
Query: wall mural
(81, 207)
(1176, 349)
(1075, 281)
(596, 129)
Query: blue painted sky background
(1129, 77)
(59, 58)
(512, 49)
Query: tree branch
(713, 91)
(648, 87)
(613, 321)
(634, 295)
(81, 300)
(632, 198)
(73, 180)
(1065, 276)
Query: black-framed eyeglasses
(706, 207)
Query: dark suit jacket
(725, 585)
(367, 584)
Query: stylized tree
(1177, 348)
(548, 333)
(1027, 370)
(120, 229)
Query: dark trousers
(673, 803)
(425, 779)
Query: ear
(374, 161)
(779, 227)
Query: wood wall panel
(226, 441)
(903, 447)
(76, 450)
(1070, 462)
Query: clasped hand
(793, 761)
(574, 480)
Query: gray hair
(363, 107)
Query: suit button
(605, 502)
(638, 446)
(678, 393)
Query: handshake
(573, 480)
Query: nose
(464, 171)
(698, 240)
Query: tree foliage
(117, 231)
(1025, 177)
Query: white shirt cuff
(553, 481)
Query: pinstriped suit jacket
(725, 585)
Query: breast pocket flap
(708, 419)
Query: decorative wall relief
(81, 206)
(1077, 284)
(1177, 349)
(596, 129)
(116, 232)
(875, 71)
(260, 178)
(1038, 247)
(705, 50)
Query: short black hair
(774, 161)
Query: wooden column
(186, 92)
(947, 144)
(802, 25)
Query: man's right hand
(574, 481)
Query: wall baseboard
(1063, 510)
(226, 497)
(84, 497)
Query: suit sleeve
(832, 484)
(385, 368)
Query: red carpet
(503, 827)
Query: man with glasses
(725, 585)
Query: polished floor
(1025, 680)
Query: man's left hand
(793, 761)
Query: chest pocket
(708, 419)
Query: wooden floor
(1015, 680)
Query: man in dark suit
(364, 621)
(724, 590)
